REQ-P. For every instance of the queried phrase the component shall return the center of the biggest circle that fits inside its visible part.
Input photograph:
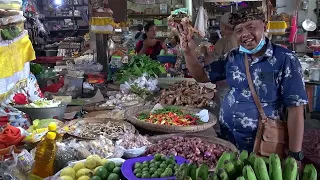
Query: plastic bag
(12, 19)
(9, 168)
(64, 155)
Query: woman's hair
(177, 39)
(146, 29)
(140, 27)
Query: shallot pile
(192, 148)
(187, 94)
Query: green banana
(230, 169)
(252, 158)
(223, 175)
(290, 169)
(238, 166)
(260, 169)
(241, 178)
(182, 171)
(244, 155)
(309, 173)
(215, 177)
(224, 157)
(202, 172)
(275, 171)
(192, 171)
(248, 173)
(233, 156)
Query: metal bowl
(44, 113)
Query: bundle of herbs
(139, 65)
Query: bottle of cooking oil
(44, 158)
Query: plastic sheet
(12, 19)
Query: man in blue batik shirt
(276, 74)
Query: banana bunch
(251, 167)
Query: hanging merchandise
(201, 22)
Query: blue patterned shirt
(278, 79)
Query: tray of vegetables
(158, 167)
(169, 119)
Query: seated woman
(173, 46)
(149, 45)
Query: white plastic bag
(131, 153)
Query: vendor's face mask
(254, 50)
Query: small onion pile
(192, 148)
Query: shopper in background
(277, 79)
(149, 45)
(173, 46)
(139, 34)
(227, 42)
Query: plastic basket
(277, 27)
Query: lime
(171, 166)
(158, 163)
(95, 178)
(163, 166)
(163, 175)
(145, 169)
(163, 158)
(137, 165)
(153, 161)
(102, 173)
(117, 170)
(118, 164)
(145, 165)
(138, 175)
(136, 171)
(152, 170)
(168, 171)
(110, 166)
(157, 157)
(170, 161)
(113, 176)
(145, 175)
(161, 170)
(155, 175)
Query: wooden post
(102, 50)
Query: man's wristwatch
(296, 155)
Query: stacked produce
(43, 103)
(193, 149)
(131, 141)
(187, 94)
(138, 66)
(252, 167)
(170, 116)
(159, 167)
(94, 168)
(122, 100)
(110, 129)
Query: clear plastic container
(44, 157)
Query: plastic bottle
(44, 158)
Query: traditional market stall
(104, 111)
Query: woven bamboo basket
(214, 140)
(131, 113)
(129, 128)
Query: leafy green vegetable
(36, 69)
(139, 65)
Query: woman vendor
(17, 84)
(149, 45)
(276, 78)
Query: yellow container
(276, 27)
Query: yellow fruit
(84, 172)
(90, 163)
(94, 172)
(68, 171)
(97, 159)
(78, 166)
(66, 178)
(84, 178)
(104, 161)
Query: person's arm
(140, 48)
(294, 98)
